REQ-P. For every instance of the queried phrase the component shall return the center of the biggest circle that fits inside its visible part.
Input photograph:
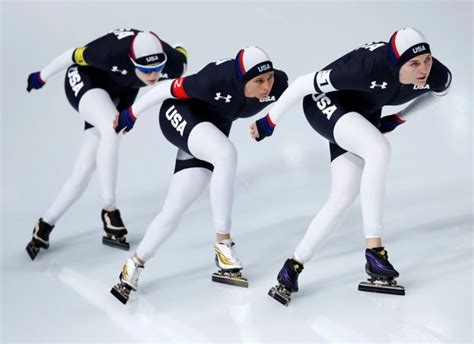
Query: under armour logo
(116, 69)
(227, 98)
(383, 85)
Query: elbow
(304, 84)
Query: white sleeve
(157, 95)
(299, 88)
(61, 62)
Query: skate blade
(280, 297)
(382, 288)
(116, 243)
(231, 280)
(32, 250)
(120, 293)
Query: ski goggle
(150, 69)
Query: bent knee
(226, 155)
(382, 148)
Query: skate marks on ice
(140, 320)
(332, 330)
(429, 241)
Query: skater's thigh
(355, 133)
(187, 184)
(346, 172)
(208, 142)
(177, 119)
(97, 108)
(78, 81)
(186, 123)
(323, 111)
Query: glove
(126, 120)
(34, 81)
(388, 123)
(265, 127)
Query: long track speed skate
(281, 294)
(287, 282)
(128, 279)
(40, 239)
(229, 265)
(122, 292)
(382, 275)
(115, 230)
(230, 277)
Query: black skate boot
(115, 230)
(381, 273)
(288, 282)
(40, 238)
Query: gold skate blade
(283, 298)
(121, 292)
(383, 288)
(230, 279)
(116, 243)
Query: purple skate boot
(288, 282)
(381, 273)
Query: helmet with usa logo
(146, 52)
(251, 62)
(406, 44)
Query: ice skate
(115, 230)
(40, 238)
(381, 273)
(229, 265)
(128, 279)
(287, 282)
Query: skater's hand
(388, 123)
(35, 81)
(124, 121)
(254, 131)
(262, 128)
(115, 123)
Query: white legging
(99, 148)
(363, 168)
(207, 143)
(186, 186)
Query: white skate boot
(228, 264)
(128, 279)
